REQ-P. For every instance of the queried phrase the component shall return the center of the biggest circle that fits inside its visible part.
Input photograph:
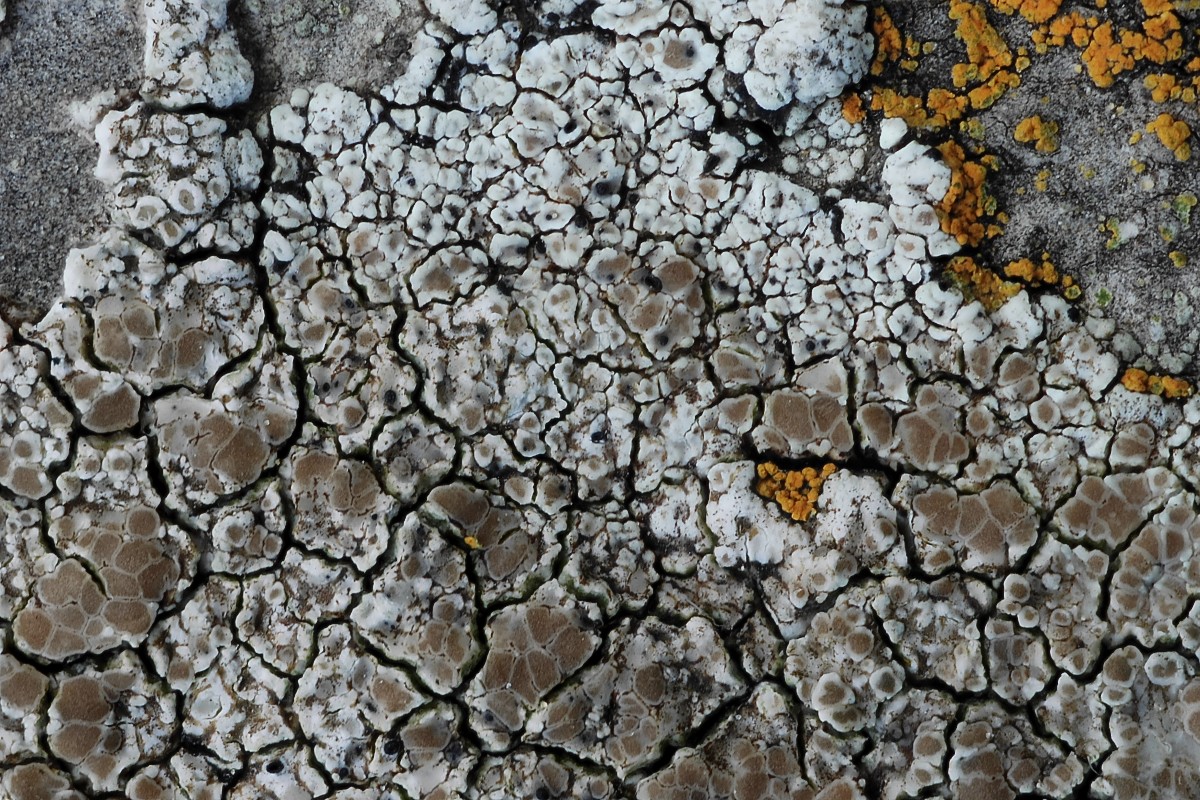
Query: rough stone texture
(49, 201)
(601, 404)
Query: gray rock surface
(51, 55)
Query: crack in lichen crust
(571, 418)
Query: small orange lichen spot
(1163, 40)
(1042, 134)
(1138, 380)
(1173, 387)
(796, 491)
(888, 38)
(852, 108)
(1043, 274)
(1105, 54)
(1164, 86)
(940, 109)
(993, 89)
(979, 283)
(1174, 135)
(471, 542)
(1042, 181)
(1135, 137)
(907, 107)
(944, 106)
(1035, 11)
(967, 203)
(972, 127)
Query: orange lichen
(1035, 11)
(1033, 274)
(987, 51)
(980, 283)
(1174, 135)
(1042, 134)
(967, 205)
(796, 491)
(888, 39)
(913, 48)
(1165, 87)
(993, 89)
(1108, 51)
(939, 109)
(852, 108)
(471, 542)
(1042, 275)
(1138, 380)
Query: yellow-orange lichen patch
(1033, 274)
(1165, 87)
(938, 109)
(977, 83)
(1041, 133)
(1109, 51)
(980, 283)
(1174, 135)
(987, 51)
(796, 491)
(1042, 274)
(1072, 26)
(1035, 11)
(967, 206)
(989, 60)
(852, 108)
(986, 94)
(1162, 39)
(889, 42)
(1139, 380)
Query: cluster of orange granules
(1138, 380)
(796, 491)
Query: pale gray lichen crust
(404, 444)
